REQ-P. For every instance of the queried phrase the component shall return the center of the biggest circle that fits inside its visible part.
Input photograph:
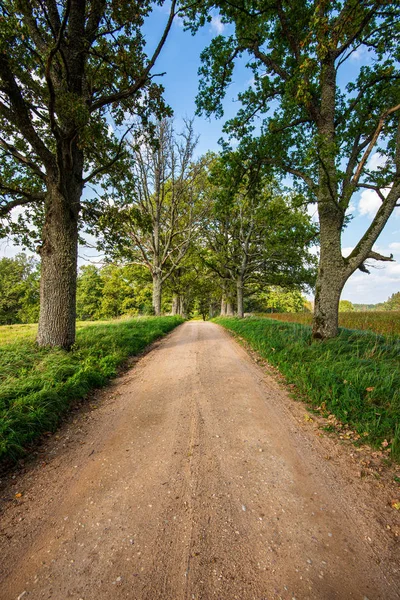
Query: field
(383, 322)
(355, 377)
(38, 385)
(13, 333)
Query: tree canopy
(298, 118)
(70, 74)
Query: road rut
(195, 481)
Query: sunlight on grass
(356, 376)
(37, 385)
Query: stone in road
(194, 482)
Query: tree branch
(372, 143)
(144, 77)
(19, 115)
(22, 159)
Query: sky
(180, 60)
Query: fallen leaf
(19, 495)
(396, 504)
(369, 389)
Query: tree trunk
(59, 253)
(331, 272)
(326, 308)
(239, 290)
(182, 307)
(176, 308)
(223, 306)
(229, 309)
(157, 286)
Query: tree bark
(59, 252)
(332, 273)
(326, 308)
(331, 270)
(176, 308)
(239, 293)
(182, 307)
(157, 290)
(229, 309)
(223, 307)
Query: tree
(254, 232)
(392, 303)
(19, 290)
(345, 306)
(152, 214)
(126, 291)
(320, 133)
(193, 286)
(280, 300)
(89, 293)
(68, 71)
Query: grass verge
(355, 376)
(37, 385)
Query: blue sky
(180, 60)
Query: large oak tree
(68, 70)
(311, 127)
(255, 233)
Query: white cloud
(395, 246)
(358, 54)
(347, 251)
(216, 25)
(370, 202)
(312, 211)
(376, 160)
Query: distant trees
(392, 303)
(255, 233)
(153, 213)
(70, 72)
(312, 127)
(346, 306)
(276, 299)
(111, 291)
(19, 290)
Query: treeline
(113, 290)
(392, 303)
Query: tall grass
(384, 322)
(356, 376)
(37, 385)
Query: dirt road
(195, 480)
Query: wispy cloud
(370, 202)
(376, 160)
(359, 54)
(217, 26)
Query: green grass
(356, 376)
(383, 322)
(38, 385)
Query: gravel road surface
(194, 478)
